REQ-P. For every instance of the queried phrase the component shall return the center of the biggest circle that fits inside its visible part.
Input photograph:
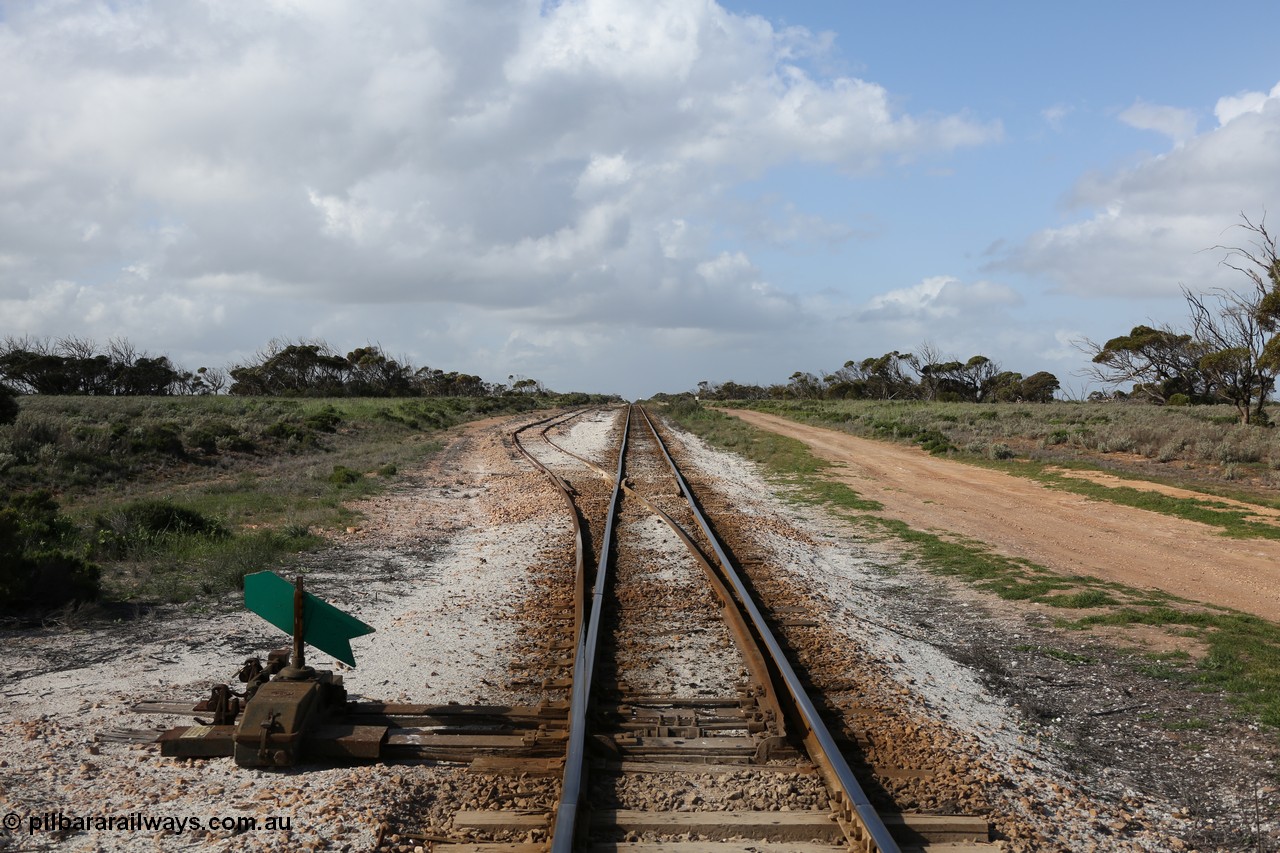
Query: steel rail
(573, 785)
(735, 619)
(566, 492)
(871, 833)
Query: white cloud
(1151, 228)
(1055, 116)
(1231, 106)
(940, 308)
(603, 173)
(938, 298)
(1176, 123)
(1065, 351)
(559, 162)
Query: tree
(928, 358)
(1160, 362)
(885, 377)
(212, 380)
(969, 381)
(1011, 387)
(1232, 352)
(1040, 387)
(289, 369)
(525, 385)
(1238, 329)
(74, 365)
(1230, 331)
(370, 373)
(733, 391)
(804, 386)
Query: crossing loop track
(783, 695)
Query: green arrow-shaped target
(324, 626)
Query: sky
(615, 196)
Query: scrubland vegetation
(123, 474)
(139, 499)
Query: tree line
(1229, 351)
(304, 368)
(924, 375)
(74, 365)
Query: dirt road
(1061, 531)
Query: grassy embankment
(1242, 652)
(175, 497)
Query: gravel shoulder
(1073, 741)
(442, 568)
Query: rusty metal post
(297, 670)
(299, 662)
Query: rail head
(857, 806)
(564, 831)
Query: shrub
(35, 572)
(8, 405)
(344, 476)
(162, 438)
(1000, 451)
(1178, 400)
(148, 524)
(387, 470)
(216, 436)
(684, 407)
(304, 429)
(323, 420)
(934, 442)
(293, 432)
(244, 555)
(1058, 436)
(32, 433)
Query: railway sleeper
(644, 728)
(451, 713)
(817, 827)
(732, 749)
(554, 663)
(352, 742)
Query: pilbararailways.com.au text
(60, 821)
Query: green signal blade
(324, 626)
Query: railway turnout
(764, 732)
(673, 715)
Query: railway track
(672, 709)
(688, 727)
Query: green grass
(1197, 447)
(781, 456)
(792, 463)
(1232, 521)
(1242, 652)
(942, 431)
(1063, 655)
(268, 473)
(1191, 724)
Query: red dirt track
(1063, 532)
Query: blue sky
(1058, 78)
(627, 197)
